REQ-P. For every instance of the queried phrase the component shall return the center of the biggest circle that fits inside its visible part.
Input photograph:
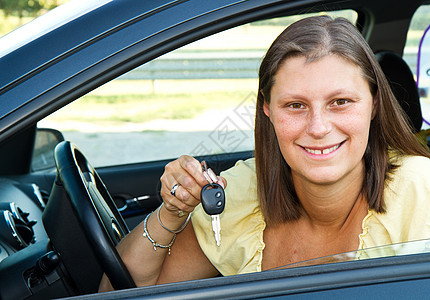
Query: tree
(23, 8)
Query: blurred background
(14, 13)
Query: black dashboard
(21, 207)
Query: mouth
(324, 150)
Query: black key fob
(213, 199)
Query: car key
(213, 201)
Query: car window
(407, 248)
(196, 100)
(417, 54)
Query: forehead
(298, 75)
(298, 66)
(317, 56)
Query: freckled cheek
(358, 128)
(287, 127)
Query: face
(321, 112)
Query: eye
(339, 102)
(295, 105)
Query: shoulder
(241, 182)
(407, 201)
(410, 179)
(241, 169)
(411, 165)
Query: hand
(186, 171)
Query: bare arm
(186, 261)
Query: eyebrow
(332, 94)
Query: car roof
(48, 22)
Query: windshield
(414, 247)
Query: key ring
(208, 173)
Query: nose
(319, 124)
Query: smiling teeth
(324, 151)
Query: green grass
(125, 108)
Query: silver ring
(173, 190)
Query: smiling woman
(330, 174)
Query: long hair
(314, 38)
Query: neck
(331, 206)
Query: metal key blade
(216, 227)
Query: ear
(266, 109)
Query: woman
(336, 169)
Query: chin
(323, 178)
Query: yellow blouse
(407, 201)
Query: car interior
(45, 227)
(403, 85)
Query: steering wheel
(95, 210)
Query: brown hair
(314, 38)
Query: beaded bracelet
(169, 230)
(154, 243)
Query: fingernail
(220, 182)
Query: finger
(186, 197)
(193, 168)
(192, 178)
(174, 173)
(174, 204)
(187, 191)
(222, 182)
(178, 198)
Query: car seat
(403, 84)
(405, 89)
